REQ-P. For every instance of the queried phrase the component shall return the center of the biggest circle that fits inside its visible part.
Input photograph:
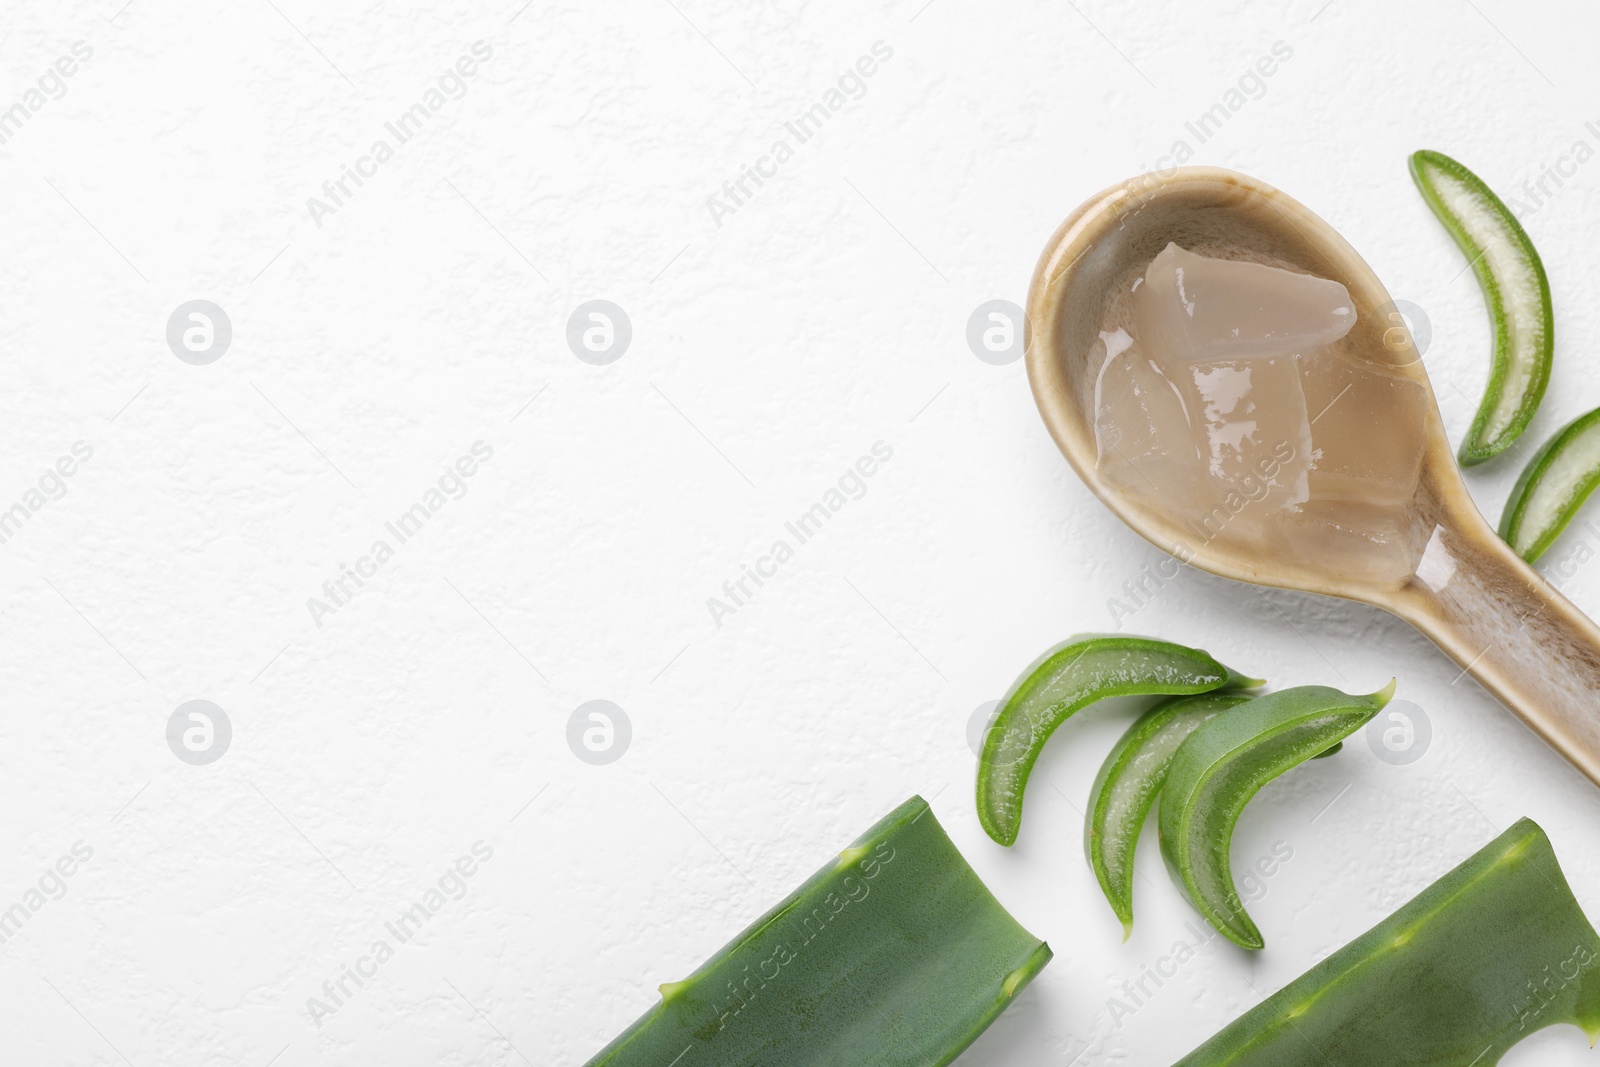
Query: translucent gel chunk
(1371, 540)
(1253, 432)
(1194, 307)
(1143, 438)
(1366, 428)
(1234, 408)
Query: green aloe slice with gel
(1222, 765)
(1552, 488)
(1493, 951)
(1130, 780)
(892, 955)
(1515, 289)
(1074, 674)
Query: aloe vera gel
(1229, 401)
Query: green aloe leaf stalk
(1491, 952)
(1080, 671)
(1223, 764)
(892, 955)
(1553, 486)
(1130, 780)
(1515, 289)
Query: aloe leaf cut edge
(894, 954)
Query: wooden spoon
(1461, 585)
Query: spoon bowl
(1447, 572)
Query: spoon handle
(1511, 631)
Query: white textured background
(768, 353)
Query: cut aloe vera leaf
(1222, 765)
(1552, 488)
(1068, 678)
(892, 955)
(1491, 952)
(1127, 786)
(1515, 289)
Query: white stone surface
(768, 353)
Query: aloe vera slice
(1491, 952)
(1552, 488)
(1127, 786)
(1222, 765)
(1515, 289)
(1068, 678)
(892, 955)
